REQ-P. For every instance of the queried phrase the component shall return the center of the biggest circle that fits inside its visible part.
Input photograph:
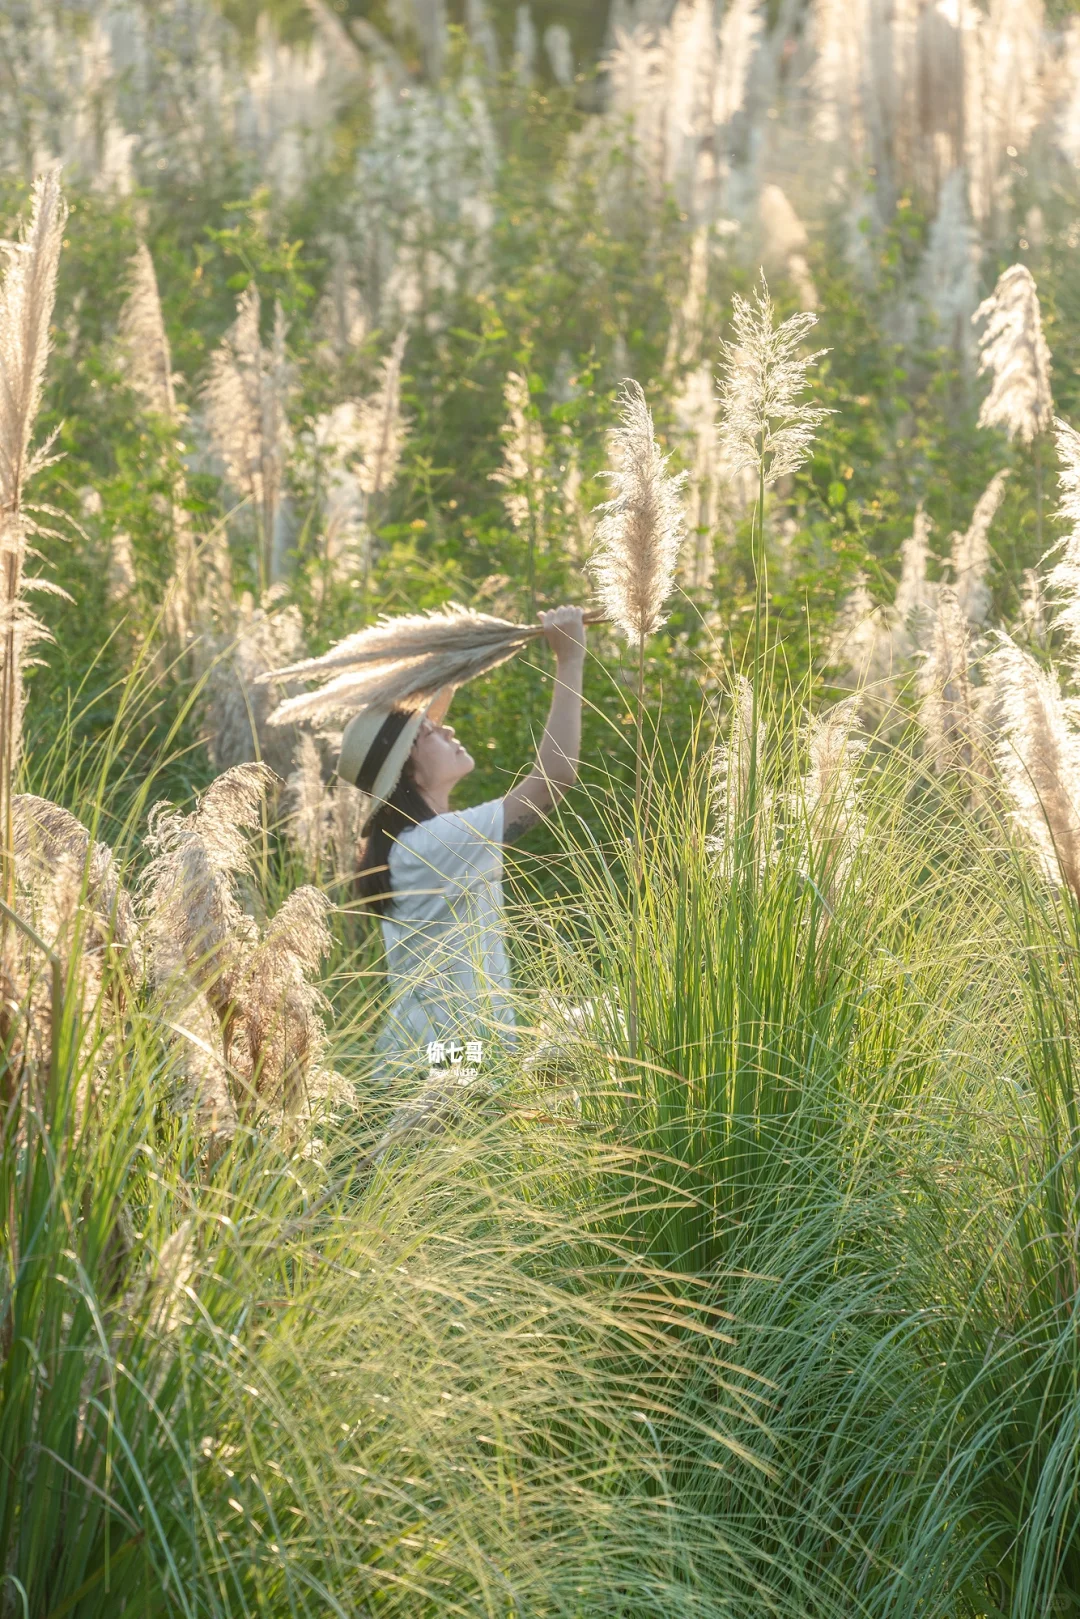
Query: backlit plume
(916, 595)
(860, 640)
(1013, 349)
(401, 659)
(762, 417)
(524, 450)
(268, 1015)
(1063, 579)
(382, 428)
(971, 553)
(1038, 759)
(26, 305)
(695, 412)
(730, 771)
(245, 398)
(828, 801)
(144, 342)
(948, 710)
(642, 528)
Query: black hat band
(379, 751)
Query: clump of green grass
(824, 1137)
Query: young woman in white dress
(434, 875)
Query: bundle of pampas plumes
(403, 661)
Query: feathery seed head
(324, 820)
(971, 553)
(188, 891)
(70, 886)
(730, 771)
(524, 449)
(240, 702)
(278, 1034)
(948, 711)
(1013, 349)
(763, 421)
(245, 397)
(828, 801)
(382, 428)
(1038, 759)
(1064, 577)
(915, 595)
(401, 661)
(27, 293)
(309, 820)
(1032, 619)
(144, 341)
(268, 1015)
(859, 640)
(642, 527)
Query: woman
(434, 875)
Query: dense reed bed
(749, 1284)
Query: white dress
(446, 961)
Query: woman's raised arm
(557, 756)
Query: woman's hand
(564, 631)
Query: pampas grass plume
(271, 1030)
(1038, 759)
(1064, 577)
(382, 428)
(524, 450)
(945, 710)
(971, 553)
(642, 528)
(915, 594)
(26, 304)
(829, 799)
(763, 420)
(245, 399)
(144, 341)
(403, 661)
(731, 769)
(1013, 349)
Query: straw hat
(376, 743)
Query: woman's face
(438, 758)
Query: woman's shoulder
(464, 832)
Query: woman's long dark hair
(405, 807)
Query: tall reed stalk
(638, 540)
(765, 425)
(26, 303)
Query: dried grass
(952, 709)
(403, 660)
(269, 1016)
(1063, 579)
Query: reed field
(337, 342)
